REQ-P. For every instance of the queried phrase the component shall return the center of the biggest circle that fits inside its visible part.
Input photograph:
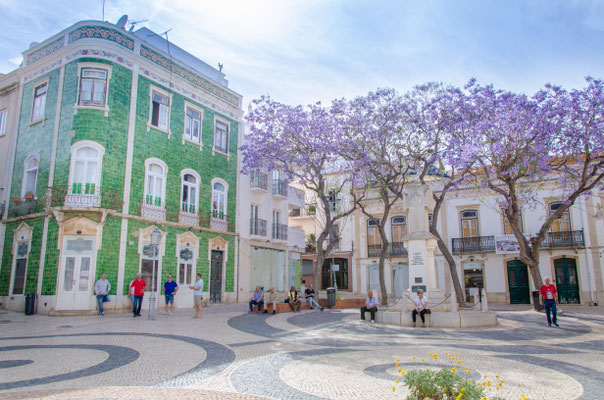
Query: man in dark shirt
(170, 289)
(309, 295)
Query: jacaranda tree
(304, 143)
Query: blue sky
(302, 51)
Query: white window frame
(44, 82)
(3, 116)
(74, 149)
(228, 125)
(162, 164)
(226, 197)
(30, 157)
(184, 132)
(23, 233)
(162, 93)
(393, 224)
(197, 188)
(88, 65)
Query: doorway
(149, 263)
(518, 282)
(401, 279)
(77, 274)
(216, 277)
(567, 281)
(185, 277)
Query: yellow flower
(458, 361)
(444, 390)
(456, 354)
(462, 389)
(523, 397)
(489, 383)
(423, 360)
(403, 373)
(393, 388)
(399, 371)
(397, 381)
(499, 384)
(398, 359)
(483, 398)
(468, 372)
(413, 358)
(396, 365)
(453, 358)
(454, 369)
(497, 376)
(484, 383)
(470, 383)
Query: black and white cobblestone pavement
(230, 354)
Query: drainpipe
(238, 253)
(588, 263)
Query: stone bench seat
(282, 307)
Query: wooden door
(216, 277)
(567, 281)
(518, 283)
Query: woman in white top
(421, 308)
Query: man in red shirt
(548, 294)
(137, 299)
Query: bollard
(485, 302)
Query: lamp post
(155, 239)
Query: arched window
(189, 194)
(85, 169)
(561, 224)
(30, 175)
(469, 223)
(219, 199)
(155, 185)
(374, 240)
(399, 229)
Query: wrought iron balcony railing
(257, 227)
(85, 195)
(394, 249)
(280, 187)
(279, 232)
(258, 180)
(216, 220)
(475, 244)
(374, 250)
(555, 240)
(26, 207)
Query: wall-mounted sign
(506, 244)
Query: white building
(269, 249)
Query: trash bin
(30, 303)
(536, 303)
(331, 297)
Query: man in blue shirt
(170, 289)
(371, 305)
(257, 299)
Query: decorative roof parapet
(46, 50)
(186, 74)
(101, 32)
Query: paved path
(229, 354)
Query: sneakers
(102, 314)
(549, 324)
(322, 308)
(414, 324)
(423, 325)
(555, 323)
(274, 312)
(372, 321)
(265, 312)
(362, 319)
(169, 312)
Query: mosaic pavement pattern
(230, 354)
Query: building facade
(270, 248)
(120, 133)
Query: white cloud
(16, 60)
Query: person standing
(549, 299)
(139, 286)
(271, 298)
(102, 288)
(421, 308)
(258, 299)
(197, 295)
(309, 295)
(170, 289)
(371, 305)
(294, 301)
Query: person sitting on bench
(270, 299)
(294, 302)
(309, 295)
(371, 305)
(421, 308)
(258, 299)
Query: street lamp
(155, 239)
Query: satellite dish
(121, 23)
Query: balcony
(25, 207)
(476, 244)
(258, 181)
(280, 187)
(394, 249)
(258, 227)
(86, 195)
(2, 208)
(296, 237)
(397, 249)
(309, 211)
(280, 231)
(218, 221)
(187, 214)
(556, 240)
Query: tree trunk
(461, 298)
(383, 254)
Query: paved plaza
(230, 354)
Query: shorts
(198, 300)
(169, 298)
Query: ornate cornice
(45, 51)
(101, 32)
(190, 76)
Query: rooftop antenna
(133, 24)
(103, 1)
(220, 66)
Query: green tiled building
(119, 133)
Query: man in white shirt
(371, 305)
(197, 295)
(421, 307)
(102, 288)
